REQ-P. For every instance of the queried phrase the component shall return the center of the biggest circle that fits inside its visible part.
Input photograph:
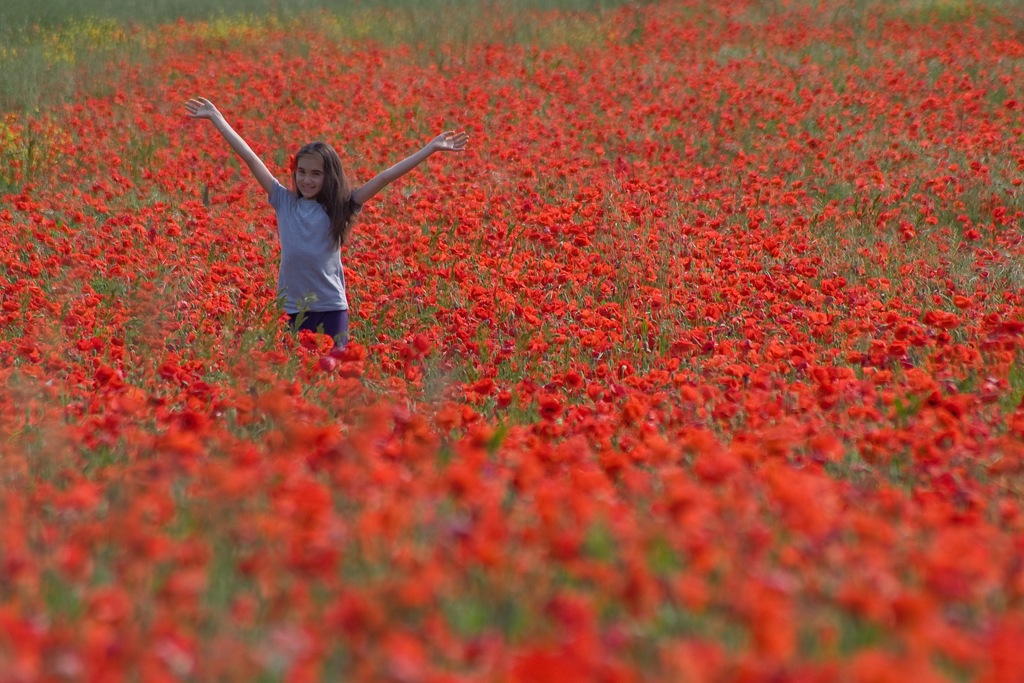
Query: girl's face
(309, 176)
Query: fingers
(200, 108)
(455, 141)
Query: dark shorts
(331, 323)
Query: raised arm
(449, 141)
(202, 108)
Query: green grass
(50, 50)
(21, 14)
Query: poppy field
(701, 363)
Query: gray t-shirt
(310, 262)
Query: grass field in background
(51, 49)
(51, 13)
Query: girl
(314, 221)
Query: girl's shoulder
(280, 196)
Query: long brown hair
(335, 194)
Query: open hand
(201, 108)
(450, 141)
